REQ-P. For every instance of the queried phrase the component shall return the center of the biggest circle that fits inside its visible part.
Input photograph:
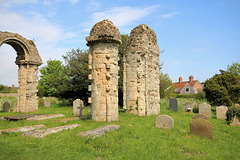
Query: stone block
(201, 127)
(173, 105)
(165, 122)
(221, 112)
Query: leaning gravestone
(78, 107)
(15, 107)
(205, 109)
(221, 112)
(6, 107)
(200, 116)
(46, 103)
(201, 127)
(164, 121)
(173, 105)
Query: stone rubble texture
(164, 121)
(221, 112)
(201, 127)
(103, 43)
(78, 107)
(205, 109)
(6, 107)
(97, 132)
(44, 132)
(28, 61)
(23, 129)
(141, 73)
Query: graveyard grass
(136, 139)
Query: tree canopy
(234, 68)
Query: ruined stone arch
(28, 61)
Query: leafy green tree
(77, 70)
(51, 75)
(234, 68)
(166, 86)
(121, 53)
(223, 89)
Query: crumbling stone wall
(28, 61)
(141, 72)
(104, 40)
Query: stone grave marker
(188, 107)
(173, 105)
(164, 121)
(221, 112)
(46, 103)
(78, 108)
(0, 106)
(201, 127)
(205, 109)
(6, 107)
(15, 107)
(235, 122)
(200, 116)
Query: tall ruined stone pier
(104, 40)
(28, 61)
(141, 73)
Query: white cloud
(94, 5)
(9, 3)
(73, 1)
(169, 15)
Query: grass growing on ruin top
(136, 139)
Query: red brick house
(188, 87)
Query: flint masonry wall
(28, 61)
(141, 73)
(103, 45)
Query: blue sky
(199, 37)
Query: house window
(187, 90)
(195, 91)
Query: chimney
(13, 86)
(190, 79)
(180, 79)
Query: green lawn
(136, 139)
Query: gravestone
(78, 107)
(201, 127)
(15, 107)
(41, 101)
(6, 107)
(221, 112)
(164, 121)
(200, 116)
(173, 105)
(205, 109)
(0, 106)
(235, 122)
(188, 106)
(46, 103)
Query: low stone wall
(8, 94)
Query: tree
(76, 69)
(223, 89)
(121, 53)
(234, 68)
(51, 76)
(166, 86)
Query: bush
(185, 95)
(232, 112)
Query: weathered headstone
(205, 109)
(188, 106)
(97, 132)
(221, 112)
(43, 117)
(78, 107)
(164, 121)
(200, 116)
(47, 103)
(173, 105)
(201, 127)
(6, 107)
(23, 129)
(44, 132)
(15, 107)
(235, 122)
(41, 101)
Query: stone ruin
(103, 43)
(28, 61)
(141, 73)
